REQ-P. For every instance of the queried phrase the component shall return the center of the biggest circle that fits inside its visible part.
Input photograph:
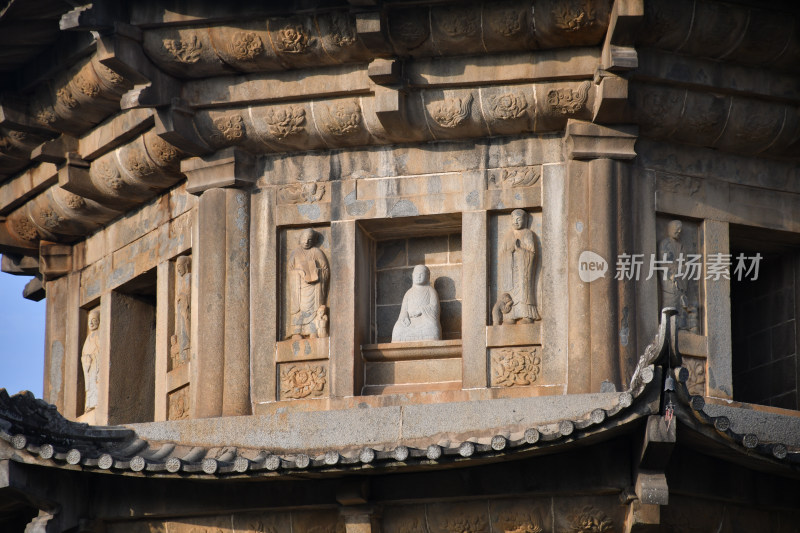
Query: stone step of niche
(411, 351)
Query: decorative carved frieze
(246, 45)
(286, 122)
(65, 98)
(293, 39)
(508, 106)
(568, 101)
(697, 375)
(519, 522)
(186, 50)
(344, 118)
(299, 193)
(574, 15)
(230, 128)
(515, 177)
(452, 112)
(303, 380)
(591, 520)
(178, 404)
(458, 22)
(518, 366)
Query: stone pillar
(719, 379)
(598, 188)
(165, 311)
(75, 320)
(263, 296)
(55, 344)
(474, 305)
(221, 283)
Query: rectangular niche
(89, 357)
(400, 245)
(515, 269)
(303, 347)
(685, 294)
(178, 362)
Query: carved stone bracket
(55, 260)
(584, 140)
(231, 167)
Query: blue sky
(21, 337)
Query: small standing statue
(309, 274)
(181, 340)
(89, 358)
(321, 322)
(518, 264)
(419, 313)
(673, 286)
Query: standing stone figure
(518, 267)
(673, 287)
(89, 358)
(419, 313)
(309, 274)
(181, 340)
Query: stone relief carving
(506, 19)
(574, 15)
(17, 135)
(246, 45)
(180, 341)
(137, 164)
(509, 106)
(673, 284)
(518, 177)
(49, 218)
(25, 229)
(420, 311)
(86, 85)
(515, 366)
(591, 520)
(64, 95)
(107, 74)
(286, 122)
(185, 51)
(299, 193)
(465, 524)
(410, 525)
(452, 112)
(90, 354)
(46, 115)
(160, 150)
(108, 174)
(303, 380)
(501, 307)
(517, 263)
(230, 128)
(345, 118)
(458, 22)
(520, 522)
(408, 29)
(568, 101)
(293, 40)
(74, 201)
(309, 274)
(697, 375)
(179, 404)
(342, 31)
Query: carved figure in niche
(180, 342)
(518, 267)
(673, 285)
(89, 358)
(321, 322)
(419, 313)
(501, 307)
(309, 274)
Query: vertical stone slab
(103, 365)
(165, 317)
(236, 394)
(579, 370)
(74, 320)
(646, 243)
(55, 342)
(345, 340)
(625, 330)
(208, 304)
(474, 373)
(555, 283)
(718, 313)
(263, 296)
(131, 328)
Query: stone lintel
(231, 167)
(586, 140)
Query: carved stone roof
(34, 432)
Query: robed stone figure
(518, 268)
(90, 354)
(420, 312)
(309, 274)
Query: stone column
(221, 282)
(165, 311)
(75, 319)
(719, 379)
(474, 305)
(599, 219)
